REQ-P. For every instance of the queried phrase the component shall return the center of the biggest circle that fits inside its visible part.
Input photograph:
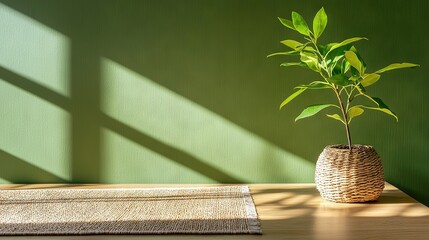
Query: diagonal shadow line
(35, 88)
(168, 151)
(13, 169)
(179, 156)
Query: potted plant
(344, 172)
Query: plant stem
(346, 123)
(343, 110)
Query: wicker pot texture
(349, 176)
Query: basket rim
(345, 147)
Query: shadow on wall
(71, 114)
(16, 170)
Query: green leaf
(339, 79)
(319, 22)
(311, 60)
(325, 48)
(370, 79)
(345, 66)
(300, 24)
(381, 106)
(345, 42)
(315, 85)
(355, 78)
(287, 23)
(328, 47)
(309, 49)
(300, 64)
(379, 102)
(312, 110)
(291, 97)
(336, 117)
(385, 110)
(336, 70)
(334, 56)
(336, 59)
(283, 53)
(295, 45)
(397, 66)
(354, 112)
(353, 49)
(353, 59)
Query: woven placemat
(202, 210)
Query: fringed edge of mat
(252, 214)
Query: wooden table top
(296, 211)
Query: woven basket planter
(349, 176)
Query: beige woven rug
(204, 210)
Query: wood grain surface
(296, 211)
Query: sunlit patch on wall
(35, 131)
(34, 51)
(3, 181)
(161, 114)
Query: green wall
(181, 91)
